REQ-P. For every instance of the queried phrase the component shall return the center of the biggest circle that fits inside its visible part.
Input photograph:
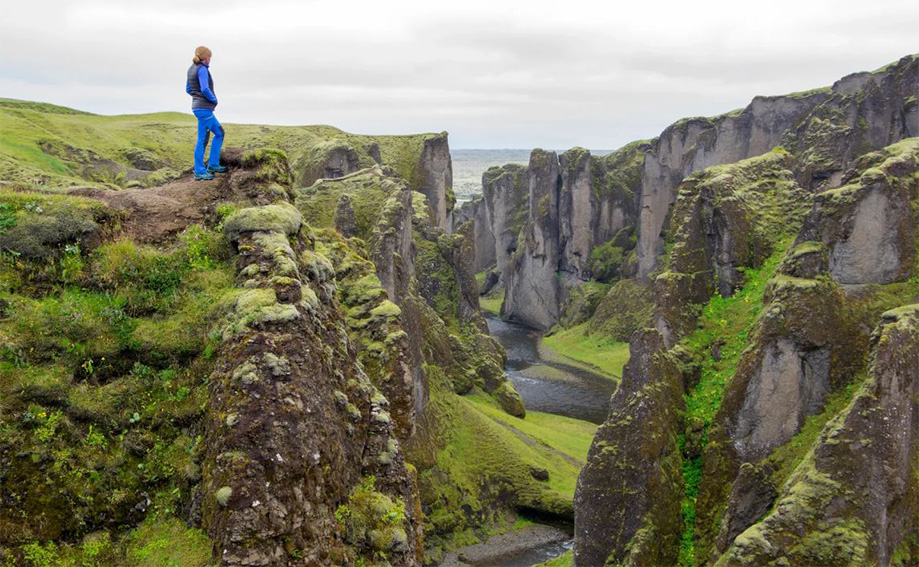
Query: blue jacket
(200, 85)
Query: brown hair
(201, 53)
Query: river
(549, 387)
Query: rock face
(751, 497)
(800, 351)
(802, 347)
(483, 239)
(828, 129)
(330, 160)
(589, 201)
(532, 286)
(436, 177)
(627, 502)
(867, 224)
(725, 220)
(810, 341)
(344, 217)
(267, 480)
(694, 144)
(576, 236)
(506, 198)
(854, 499)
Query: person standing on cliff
(200, 85)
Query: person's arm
(205, 85)
(187, 86)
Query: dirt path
(156, 213)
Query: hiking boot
(217, 168)
(204, 176)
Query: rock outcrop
(484, 246)
(506, 197)
(627, 503)
(603, 202)
(247, 419)
(827, 129)
(435, 178)
(806, 345)
(854, 499)
(531, 280)
(868, 225)
(811, 340)
(272, 468)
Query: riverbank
(595, 353)
(551, 387)
(521, 548)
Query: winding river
(546, 386)
(549, 387)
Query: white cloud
(495, 74)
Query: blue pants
(207, 125)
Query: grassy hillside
(49, 145)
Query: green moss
(168, 543)
(37, 226)
(372, 194)
(386, 310)
(726, 322)
(255, 307)
(223, 495)
(563, 434)
(371, 520)
(605, 261)
(438, 285)
(628, 306)
(282, 218)
(618, 174)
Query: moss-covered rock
(282, 218)
(870, 226)
(510, 400)
(37, 226)
(847, 502)
(627, 306)
(639, 516)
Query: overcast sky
(493, 73)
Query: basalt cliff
(762, 266)
(286, 365)
(543, 229)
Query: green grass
(569, 436)
(168, 543)
(507, 446)
(595, 351)
(730, 320)
(564, 560)
(491, 303)
(103, 372)
(56, 146)
(474, 466)
(727, 319)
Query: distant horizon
(452, 149)
(493, 74)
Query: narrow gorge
(698, 349)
